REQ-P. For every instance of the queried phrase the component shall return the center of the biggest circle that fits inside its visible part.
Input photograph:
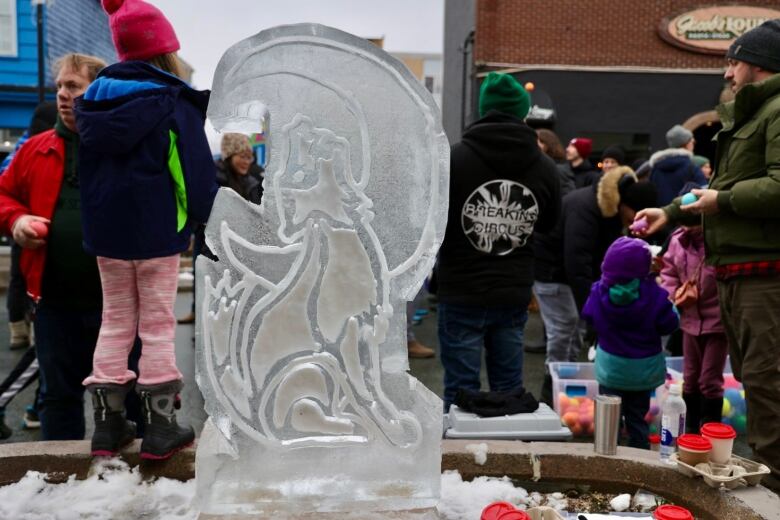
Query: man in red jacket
(40, 206)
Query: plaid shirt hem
(762, 268)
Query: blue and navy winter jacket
(145, 168)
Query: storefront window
(8, 45)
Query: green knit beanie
(700, 160)
(502, 92)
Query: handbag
(688, 293)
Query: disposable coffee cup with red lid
(669, 512)
(722, 438)
(716, 430)
(693, 449)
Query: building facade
(68, 26)
(618, 71)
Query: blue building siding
(78, 26)
(69, 26)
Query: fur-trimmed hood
(669, 152)
(607, 194)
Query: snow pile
(480, 452)
(112, 491)
(464, 500)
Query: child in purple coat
(630, 313)
(704, 341)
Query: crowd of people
(528, 216)
(101, 203)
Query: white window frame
(13, 51)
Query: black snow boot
(711, 409)
(112, 429)
(546, 394)
(692, 412)
(163, 436)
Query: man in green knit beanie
(502, 189)
(504, 93)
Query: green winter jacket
(747, 227)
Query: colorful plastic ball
(727, 410)
(740, 424)
(688, 198)
(732, 394)
(529, 86)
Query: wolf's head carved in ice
(301, 323)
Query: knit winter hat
(583, 145)
(614, 152)
(638, 195)
(626, 259)
(759, 46)
(700, 160)
(140, 31)
(233, 144)
(502, 92)
(678, 136)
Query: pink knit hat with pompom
(140, 30)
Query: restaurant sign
(711, 30)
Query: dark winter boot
(711, 409)
(546, 394)
(163, 436)
(112, 429)
(692, 412)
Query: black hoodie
(502, 188)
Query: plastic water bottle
(672, 421)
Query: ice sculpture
(301, 339)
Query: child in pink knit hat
(147, 177)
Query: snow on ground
(114, 491)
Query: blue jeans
(464, 330)
(64, 343)
(633, 408)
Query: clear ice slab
(301, 338)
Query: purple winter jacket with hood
(629, 333)
(681, 260)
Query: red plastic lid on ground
(667, 512)
(693, 442)
(496, 509)
(716, 430)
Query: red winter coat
(31, 186)
(682, 258)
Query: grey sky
(206, 28)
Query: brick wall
(587, 32)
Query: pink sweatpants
(138, 296)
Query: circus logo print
(499, 216)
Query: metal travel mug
(607, 424)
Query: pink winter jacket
(682, 258)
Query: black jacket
(502, 188)
(585, 174)
(586, 235)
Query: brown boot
(185, 320)
(418, 350)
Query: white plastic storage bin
(541, 425)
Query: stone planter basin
(567, 464)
